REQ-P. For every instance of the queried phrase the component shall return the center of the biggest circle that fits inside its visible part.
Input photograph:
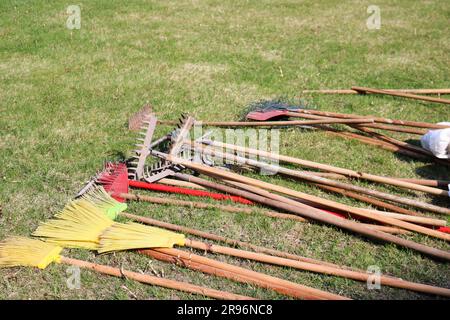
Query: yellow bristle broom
(21, 251)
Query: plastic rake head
(114, 179)
(21, 251)
(127, 236)
(79, 225)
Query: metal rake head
(136, 165)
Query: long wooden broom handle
(416, 124)
(304, 290)
(425, 182)
(401, 94)
(350, 91)
(152, 280)
(400, 216)
(219, 272)
(276, 123)
(312, 177)
(295, 203)
(406, 145)
(304, 210)
(413, 219)
(333, 169)
(385, 143)
(320, 180)
(349, 274)
(407, 222)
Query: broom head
(21, 251)
(79, 225)
(127, 236)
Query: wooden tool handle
(178, 183)
(316, 179)
(148, 279)
(416, 124)
(278, 123)
(373, 201)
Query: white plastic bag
(438, 142)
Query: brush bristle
(127, 236)
(21, 251)
(79, 225)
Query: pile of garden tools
(203, 168)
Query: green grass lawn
(65, 96)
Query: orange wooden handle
(148, 279)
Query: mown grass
(65, 97)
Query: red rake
(114, 178)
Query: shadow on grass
(116, 156)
